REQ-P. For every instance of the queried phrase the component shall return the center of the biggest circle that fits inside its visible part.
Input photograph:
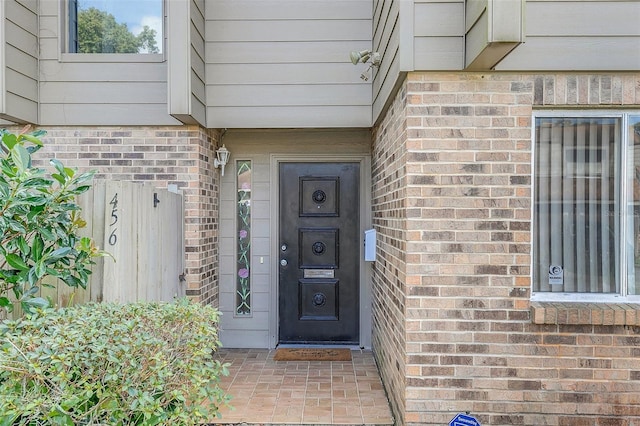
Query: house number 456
(113, 238)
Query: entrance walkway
(265, 391)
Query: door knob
(284, 262)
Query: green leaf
(4, 302)
(37, 302)
(16, 226)
(35, 182)
(21, 158)
(56, 255)
(85, 176)
(58, 165)
(33, 290)
(23, 245)
(9, 140)
(33, 275)
(33, 138)
(58, 177)
(8, 419)
(16, 262)
(37, 247)
(47, 234)
(81, 189)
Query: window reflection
(115, 26)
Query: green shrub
(39, 223)
(135, 364)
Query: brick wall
(471, 344)
(389, 280)
(181, 156)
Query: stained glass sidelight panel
(243, 283)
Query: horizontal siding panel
(22, 16)
(284, 117)
(439, 19)
(282, 52)
(591, 18)
(283, 74)
(386, 18)
(198, 88)
(299, 30)
(198, 65)
(258, 321)
(49, 8)
(31, 5)
(574, 53)
(21, 108)
(22, 63)
(198, 109)
(388, 39)
(197, 19)
(387, 87)
(439, 53)
(477, 38)
(196, 39)
(21, 85)
(103, 93)
(288, 95)
(21, 39)
(103, 72)
(389, 50)
(291, 9)
(49, 26)
(244, 339)
(107, 114)
(49, 50)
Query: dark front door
(319, 253)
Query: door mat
(312, 354)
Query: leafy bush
(39, 223)
(137, 364)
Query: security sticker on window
(556, 275)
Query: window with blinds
(586, 236)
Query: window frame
(64, 55)
(623, 246)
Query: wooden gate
(143, 229)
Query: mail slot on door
(370, 245)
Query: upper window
(587, 204)
(115, 26)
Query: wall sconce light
(363, 56)
(222, 156)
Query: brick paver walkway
(265, 391)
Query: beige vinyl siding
(286, 63)
(19, 60)
(415, 35)
(187, 100)
(439, 35)
(578, 35)
(386, 41)
(493, 28)
(95, 89)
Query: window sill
(585, 313)
(112, 57)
